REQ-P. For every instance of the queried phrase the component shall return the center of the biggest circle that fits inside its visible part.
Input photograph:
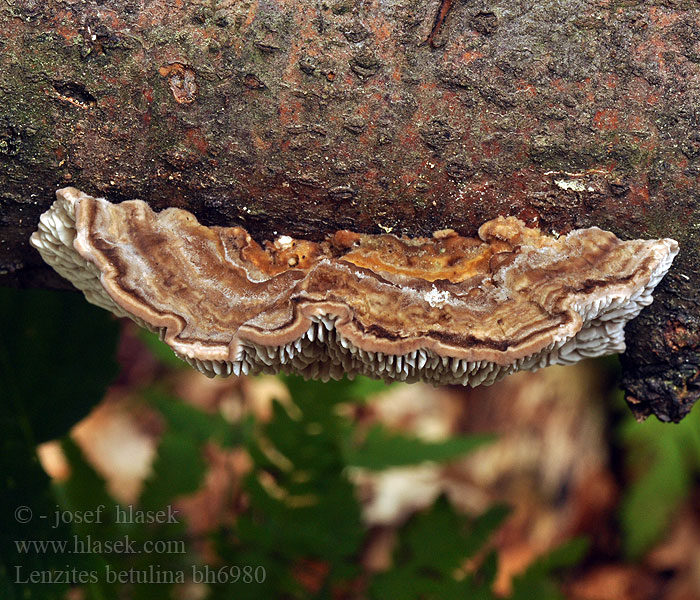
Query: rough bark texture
(308, 116)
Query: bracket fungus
(449, 309)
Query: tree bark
(307, 116)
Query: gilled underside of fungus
(444, 310)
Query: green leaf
(569, 554)
(179, 466)
(382, 449)
(177, 470)
(315, 394)
(433, 547)
(196, 424)
(538, 583)
(56, 358)
(302, 507)
(85, 489)
(536, 588)
(663, 458)
(483, 527)
(651, 501)
(362, 387)
(26, 497)
(84, 493)
(488, 570)
(313, 513)
(160, 350)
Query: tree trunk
(307, 116)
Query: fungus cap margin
(444, 310)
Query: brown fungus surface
(448, 309)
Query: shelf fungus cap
(446, 309)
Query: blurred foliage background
(541, 486)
